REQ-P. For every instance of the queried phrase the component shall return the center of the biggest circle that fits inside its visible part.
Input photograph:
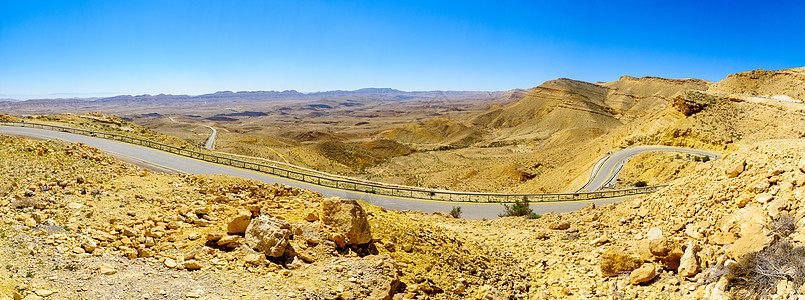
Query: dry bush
(456, 212)
(517, 209)
(759, 272)
(782, 226)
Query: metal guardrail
(350, 185)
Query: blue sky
(89, 48)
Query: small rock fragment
(170, 263)
(239, 223)
(106, 269)
(645, 273)
(764, 197)
(193, 265)
(311, 217)
(736, 169)
(600, 241)
(560, 225)
(255, 258)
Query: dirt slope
(548, 140)
(438, 131)
(554, 106)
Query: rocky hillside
(79, 224)
(548, 141)
(783, 84)
(554, 106)
(732, 229)
(435, 132)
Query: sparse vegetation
(641, 183)
(456, 212)
(519, 208)
(759, 273)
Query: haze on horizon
(104, 48)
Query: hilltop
(786, 84)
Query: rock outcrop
(268, 235)
(348, 217)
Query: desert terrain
(78, 223)
(544, 139)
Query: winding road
(180, 164)
(605, 172)
(210, 144)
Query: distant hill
(38, 106)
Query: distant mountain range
(223, 97)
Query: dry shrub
(456, 212)
(760, 272)
(520, 207)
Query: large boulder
(268, 235)
(667, 252)
(348, 217)
(615, 261)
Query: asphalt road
(180, 164)
(605, 174)
(211, 140)
(210, 144)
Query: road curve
(180, 164)
(210, 144)
(605, 174)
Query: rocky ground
(734, 229)
(79, 224)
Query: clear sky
(89, 48)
